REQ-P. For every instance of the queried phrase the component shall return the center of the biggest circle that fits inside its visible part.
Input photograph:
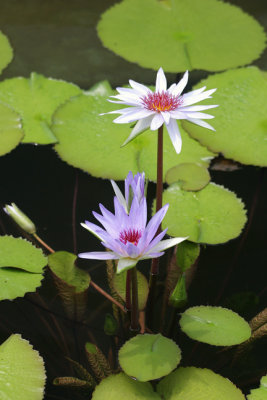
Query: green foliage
(98, 361)
(178, 297)
(212, 215)
(11, 132)
(147, 357)
(35, 100)
(62, 263)
(22, 369)
(189, 176)
(240, 120)
(5, 51)
(119, 284)
(93, 142)
(21, 267)
(186, 254)
(182, 34)
(215, 325)
(111, 325)
(196, 384)
(121, 386)
(261, 392)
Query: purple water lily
(126, 235)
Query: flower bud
(20, 218)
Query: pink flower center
(163, 101)
(130, 235)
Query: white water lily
(164, 106)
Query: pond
(59, 40)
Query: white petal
(166, 116)
(161, 81)
(196, 98)
(175, 135)
(180, 85)
(142, 89)
(140, 126)
(201, 123)
(165, 244)
(194, 92)
(171, 88)
(99, 255)
(196, 108)
(125, 263)
(199, 115)
(133, 116)
(177, 114)
(156, 122)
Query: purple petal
(154, 223)
(99, 255)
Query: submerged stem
(134, 310)
(104, 293)
(128, 291)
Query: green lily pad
(158, 33)
(63, 266)
(19, 253)
(240, 120)
(191, 152)
(186, 254)
(261, 392)
(21, 267)
(121, 386)
(22, 370)
(36, 99)
(212, 215)
(146, 357)
(5, 51)
(119, 284)
(189, 176)
(195, 383)
(215, 325)
(11, 132)
(93, 142)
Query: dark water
(58, 39)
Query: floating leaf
(21, 267)
(119, 284)
(157, 33)
(22, 370)
(11, 132)
(5, 51)
(147, 357)
(121, 386)
(191, 153)
(19, 253)
(93, 142)
(212, 215)
(63, 266)
(71, 282)
(240, 120)
(186, 255)
(189, 176)
(261, 392)
(36, 99)
(195, 383)
(215, 325)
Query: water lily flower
(134, 186)
(164, 106)
(127, 236)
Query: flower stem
(128, 291)
(43, 243)
(134, 310)
(155, 262)
(100, 290)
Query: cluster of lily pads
(46, 111)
